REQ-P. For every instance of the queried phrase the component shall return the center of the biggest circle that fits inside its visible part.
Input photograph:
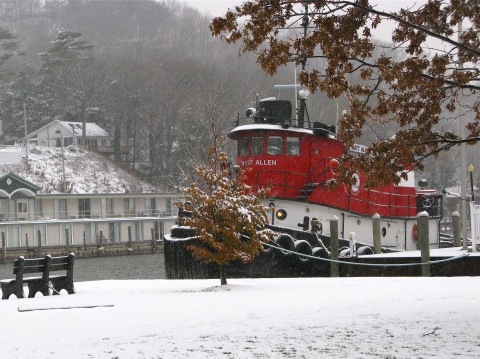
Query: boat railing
(363, 201)
(392, 205)
(318, 172)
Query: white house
(70, 133)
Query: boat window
(256, 146)
(275, 145)
(243, 146)
(293, 146)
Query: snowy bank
(250, 318)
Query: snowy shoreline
(250, 318)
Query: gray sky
(219, 7)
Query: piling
(377, 238)
(457, 237)
(334, 246)
(4, 248)
(423, 242)
(129, 244)
(154, 242)
(39, 244)
(67, 240)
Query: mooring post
(39, 244)
(377, 238)
(129, 229)
(4, 248)
(423, 242)
(67, 241)
(457, 236)
(154, 242)
(351, 238)
(334, 246)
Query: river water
(143, 266)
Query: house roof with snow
(73, 129)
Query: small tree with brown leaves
(228, 218)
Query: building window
(114, 232)
(151, 206)
(4, 208)
(84, 208)
(61, 208)
(243, 146)
(13, 236)
(256, 146)
(293, 146)
(90, 230)
(40, 233)
(66, 233)
(158, 230)
(22, 207)
(171, 208)
(67, 141)
(138, 233)
(38, 208)
(129, 207)
(109, 207)
(275, 145)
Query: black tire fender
(303, 247)
(286, 242)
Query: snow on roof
(92, 129)
(75, 128)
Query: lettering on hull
(259, 163)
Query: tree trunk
(223, 275)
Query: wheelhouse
(296, 162)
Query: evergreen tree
(72, 76)
(24, 93)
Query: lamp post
(60, 139)
(471, 169)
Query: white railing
(47, 216)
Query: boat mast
(303, 61)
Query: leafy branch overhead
(228, 219)
(419, 84)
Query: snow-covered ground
(85, 171)
(250, 318)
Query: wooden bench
(46, 284)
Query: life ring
(415, 232)
(333, 165)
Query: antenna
(303, 61)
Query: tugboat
(296, 159)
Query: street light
(60, 139)
(471, 169)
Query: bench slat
(44, 284)
(32, 270)
(57, 267)
(56, 260)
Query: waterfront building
(31, 219)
